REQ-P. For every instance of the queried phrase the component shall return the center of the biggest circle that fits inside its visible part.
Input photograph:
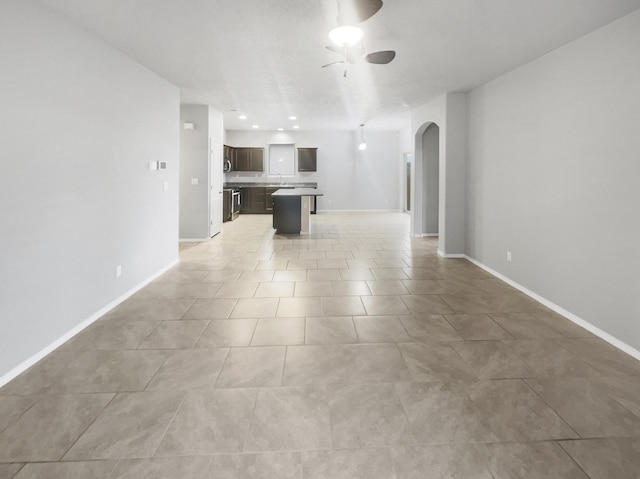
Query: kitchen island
(291, 209)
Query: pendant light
(346, 35)
(362, 146)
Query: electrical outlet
(118, 271)
(509, 256)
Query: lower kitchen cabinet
(257, 200)
(245, 200)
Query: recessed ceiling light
(255, 126)
(292, 118)
(280, 129)
(295, 127)
(243, 117)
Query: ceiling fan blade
(335, 49)
(380, 58)
(332, 63)
(351, 12)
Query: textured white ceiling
(263, 57)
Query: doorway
(408, 159)
(215, 188)
(431, 180)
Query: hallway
(354, 353)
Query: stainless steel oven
(236, 200)
(230, 204)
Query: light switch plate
(194, 181)
(165, 186)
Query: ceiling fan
(348, 37)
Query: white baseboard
(357, 211)
(193, 240)
(23, 366)
(456, 255)
(622, 346)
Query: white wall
(554, 177)
(79, 124)
(350, 179)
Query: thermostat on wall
(162, 165)
(189, 126)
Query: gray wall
(449, 113)
(350, 179)
(194, 163)
(553, 176)
(79, 124)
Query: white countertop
(298, 192)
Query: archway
(428, 214)
(431, 179)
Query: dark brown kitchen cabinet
(257, 201)
(245, 200)
(307, 159)
(248, 159)
(228, 153)
(227, 158)
(253, 201)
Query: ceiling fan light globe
(346, 35)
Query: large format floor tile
(367, 415)
(131, 426)
(50, 427)
(252, 367)
(370, 463)
(344, 364)
(606, 458)
(516, 413)
(210, 422)
(256, 466)
(162, 468)
(9, 470)
(450, 461)
(189, 369)
(352, 352)
(531, 460)
(587, 407)
(290, 419)
(443, 413)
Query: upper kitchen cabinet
(227, 159)
(307, 159)
(248, 159)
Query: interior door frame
(215, 186)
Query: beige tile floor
(353, 353)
